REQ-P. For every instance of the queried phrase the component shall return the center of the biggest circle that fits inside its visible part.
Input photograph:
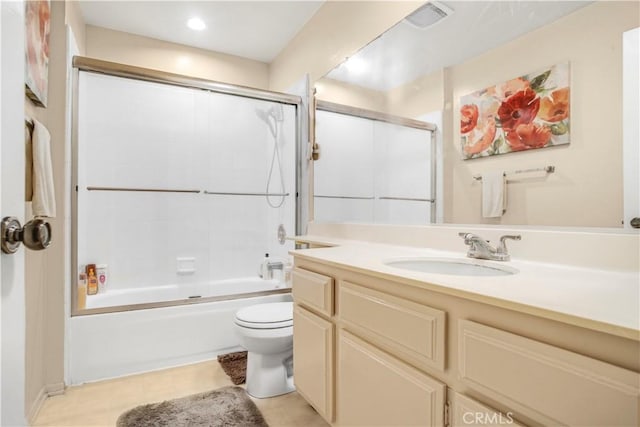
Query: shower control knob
(36, 234)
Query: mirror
(566, 55)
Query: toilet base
(270, 375)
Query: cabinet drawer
(376, 389)
(466, 412)
(313, 290)
(313, 360)
(562, 386)
(407, 329)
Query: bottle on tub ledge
(265, 271)
(101, 274)
(82, 291)
(92, 280)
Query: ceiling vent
(429, 14)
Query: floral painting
(37, 17)
(524, 113)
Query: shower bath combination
(154, 201)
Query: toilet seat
(266, 316)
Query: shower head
(277, 113)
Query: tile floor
(100, 403)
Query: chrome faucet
(480, 248)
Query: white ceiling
(251, 29)
(405, 53)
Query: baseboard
(32, 413)
(55, 389)
(46, 391)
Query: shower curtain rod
(373, 115)
(157, 76)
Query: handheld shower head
(277, 113)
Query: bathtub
(114, 344)
(177, 292)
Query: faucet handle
(503, 245)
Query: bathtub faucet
(275, 266)
(267, 273)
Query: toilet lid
(266, 316)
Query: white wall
(131, 49)
(135, 134)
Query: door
(12, 309)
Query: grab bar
(411, 199)
(344, 197)
(220, 193)
(151, 190)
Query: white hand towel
(494, 194)
(44, 201)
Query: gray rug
(234, 365)
(227, 406)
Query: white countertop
(603, 300)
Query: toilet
(266, 332)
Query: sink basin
(451, 266)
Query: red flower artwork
(555, 107)
(522, 113)
(520, 108)
(468, 118)
(483, 138)
(528, 136)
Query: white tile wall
(139, 134)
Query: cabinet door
(313, 290)
(313, 360)
(376, 389)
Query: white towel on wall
(494, 194)
(44, 201)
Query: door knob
(635, 222)
(36, 234)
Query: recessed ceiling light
(356, 65)
(196, 24)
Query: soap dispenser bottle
(265, 272)
(92, 280)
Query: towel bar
(547, 169)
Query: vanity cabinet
(313, 342)
(374, 388)
(465, 412)
(313, 360)
(568, 388)
(370, 351)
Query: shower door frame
(92, 65)
(348, 110)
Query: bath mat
(227, 406)
(235, 365)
